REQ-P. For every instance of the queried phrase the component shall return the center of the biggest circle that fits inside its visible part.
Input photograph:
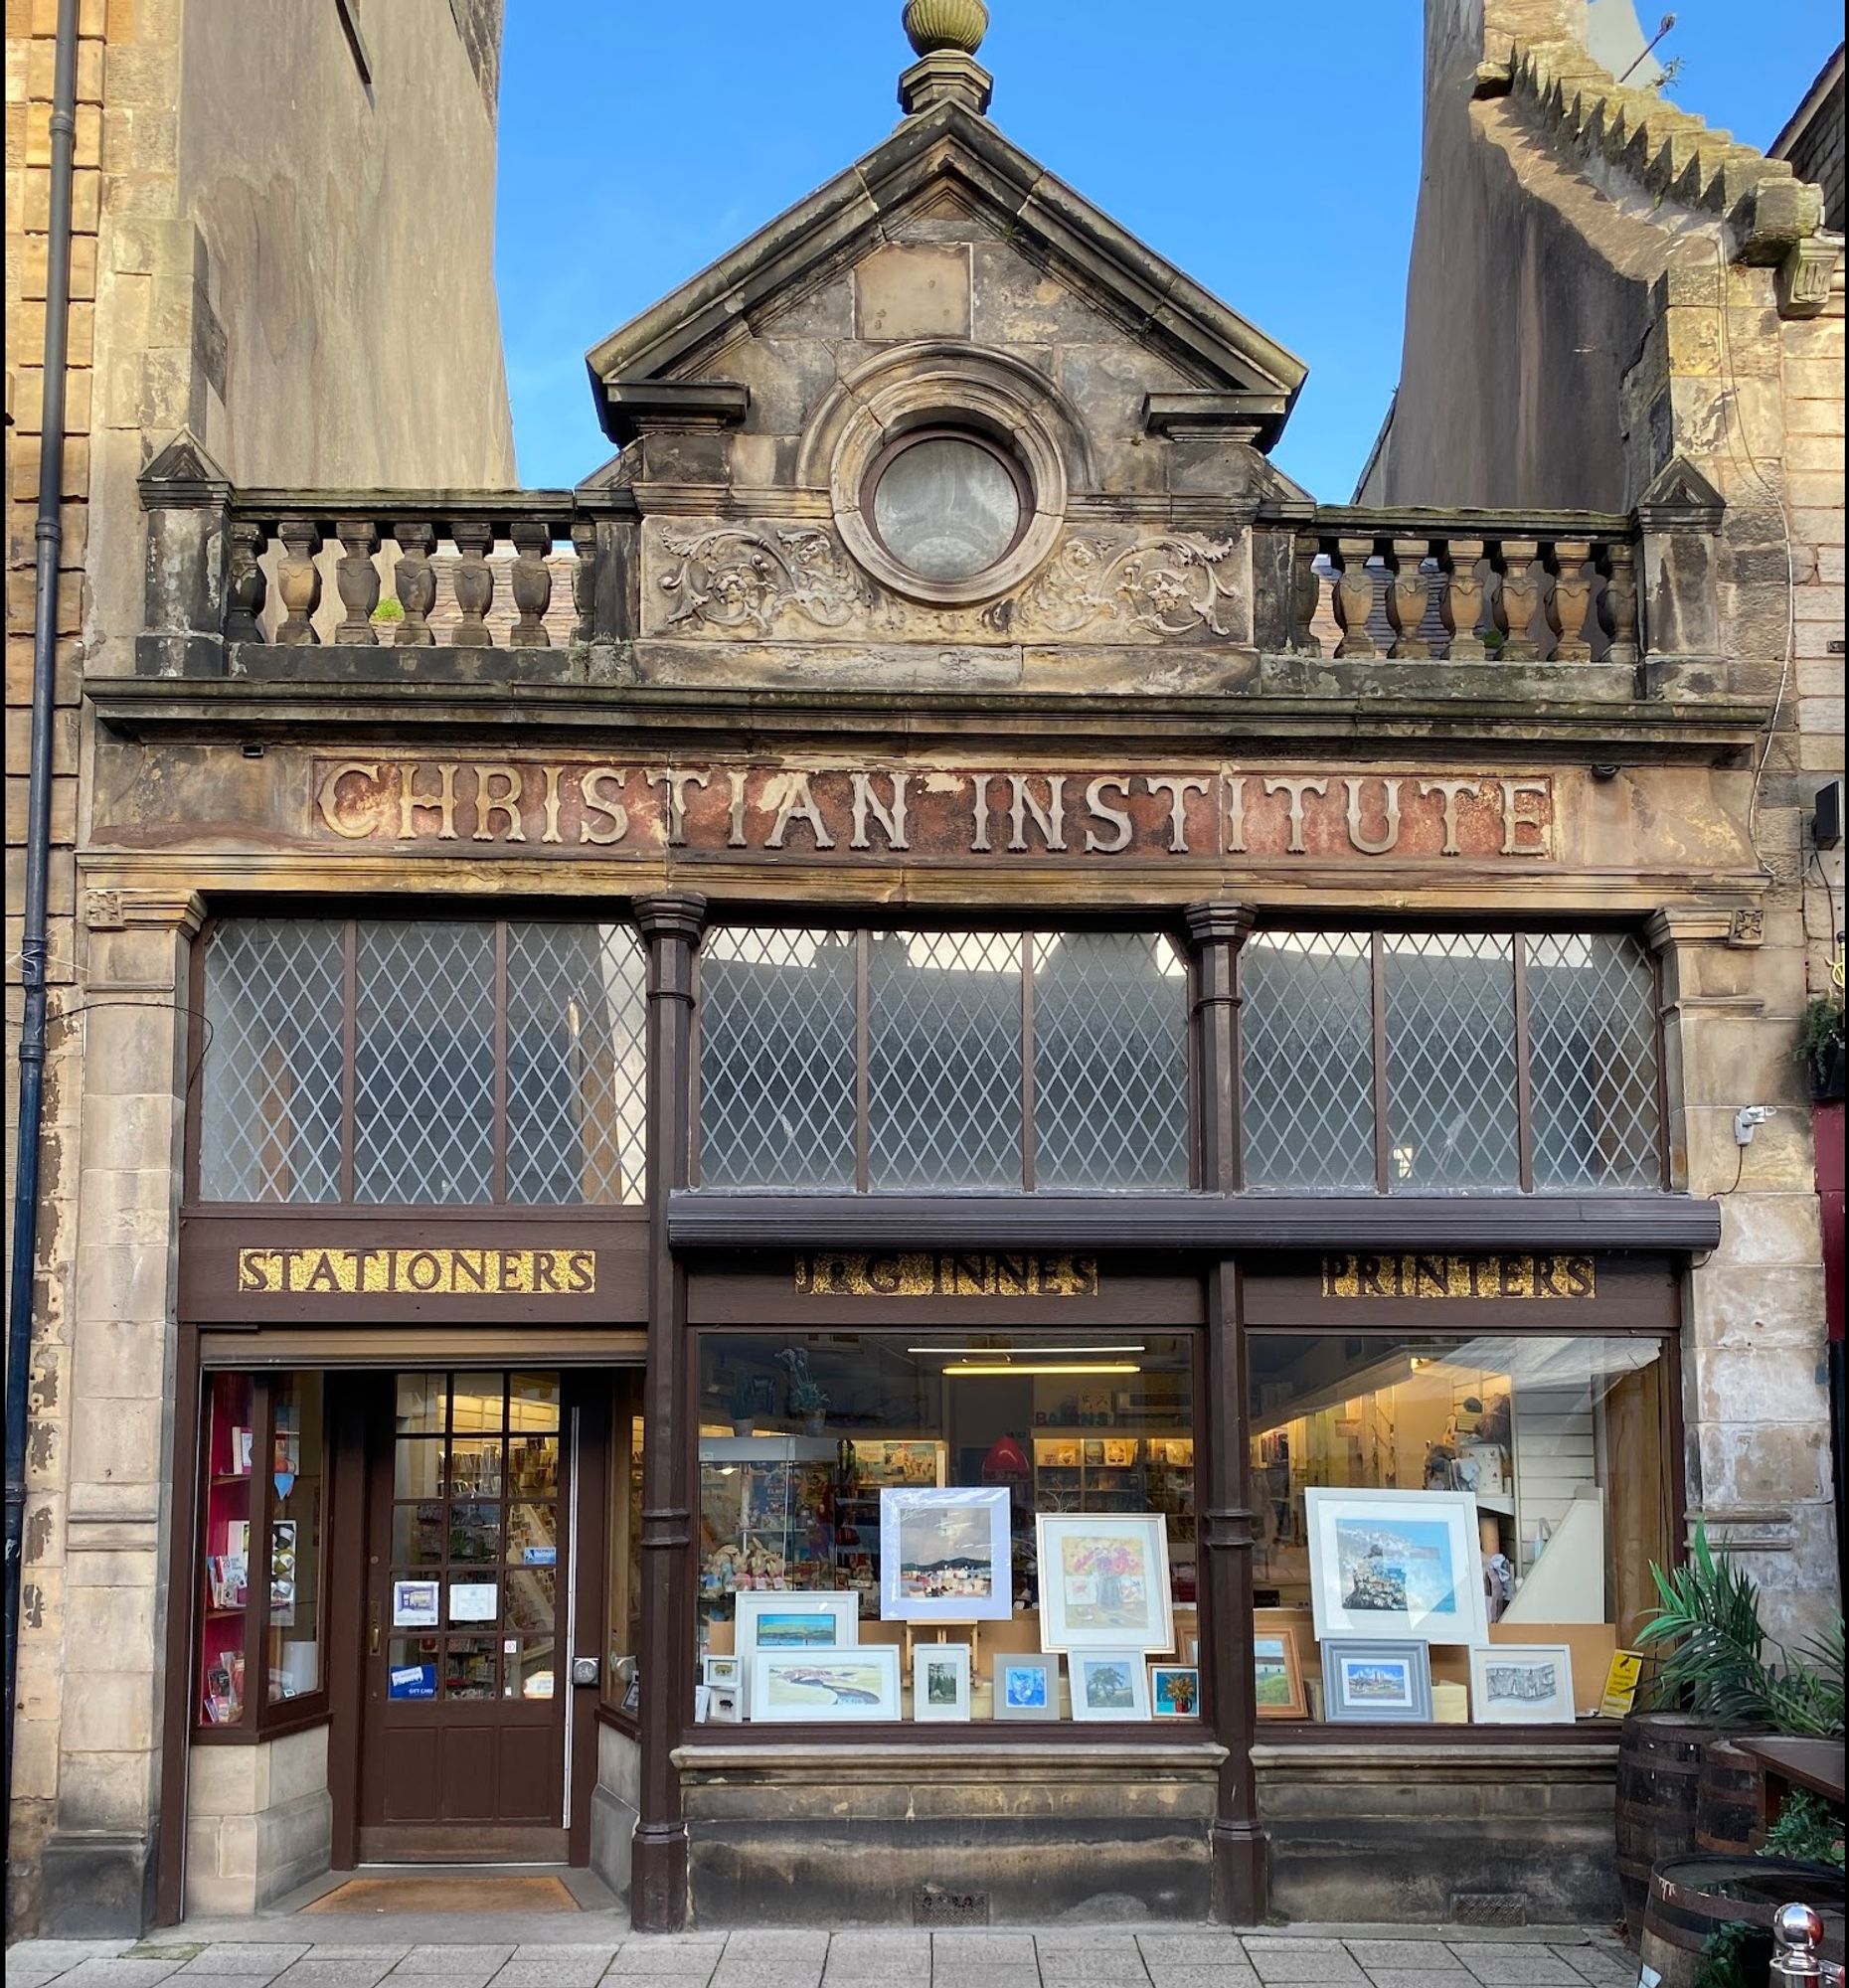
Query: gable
(946, 229)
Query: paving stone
(983, 1974)
(1189, 1974)
(1111, 1965)
(1605, 1966)
(239, 1957)
(452, 1962)
(684, 1966)
(329, 1967)
(1006, 1950)
(1192, 1950)
(116, 1972)
(561, 1970)
(1293, 1960)
(1519, 1967)
(773, 1973)
(877, 1957)
(1412, 1977)
(1431, 1956)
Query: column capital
(144, 909)
(1218, 922)
(671, 915)
(1734, 924)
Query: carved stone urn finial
(933, 25)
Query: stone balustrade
(1416, 586)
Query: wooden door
(467, 1668)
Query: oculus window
(947, 505)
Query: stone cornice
(136, 908)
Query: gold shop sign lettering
(1423, 1276)
(396, 1272)
(932, 1275)
(1288, 814)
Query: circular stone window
(946, 506)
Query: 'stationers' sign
(601, 808)
(446, 1274)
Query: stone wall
(1599, 287)
(258, 1822)
(261, 235)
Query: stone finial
(931, 25)
(946, 35)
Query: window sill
(940, 1750)
(276, 1726)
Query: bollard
(1796, 1931)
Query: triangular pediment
(948, 175)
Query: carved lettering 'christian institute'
(600, 809)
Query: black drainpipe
(50, 536)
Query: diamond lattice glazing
(776, 1059)
(1110, 1061)
(577, 1083)
(1307, 1041)
(944, 1059)
(424, 1105)
(1592, 1061)
(1451, 1061)
(270, 1075)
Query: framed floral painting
(1103, 1583)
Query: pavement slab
(1520, 1967)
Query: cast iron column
(1224, 1510)
(670, 925)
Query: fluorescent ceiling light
(1002, 1352)
(967, 1367)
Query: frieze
(1172, 585)
(606, 808)
(734, 577)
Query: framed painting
(1522, 1684)
(790, 1619)
(1174, 1690)
(945, 1556)
(1103, 1583)
(1109, 1684)
(1027, 1686)
(1277, 1675)
(1397, 1563)
(825, 1687)
(1376, 1683)
(940, 1681)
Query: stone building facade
(1008, 968)
(251, 257)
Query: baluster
(1408, 593)
(358, 581)
(414, 581)
(1518, 598)
(1617, 605)
(473, 581)
(246, 587)
(1570, 563)
(584, 579)
(531, 582)
(1353, 596)
(1461, 599)
(298, 581)
(1305, 595)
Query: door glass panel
(468, 1667)
(474, 1533)
(533, 1402)
(530, 1594)
(477, 1404)
(533, 1535)
(420, 1470)
(475, 1467)
(532, 1467)
(529, 1667)
(418, 1535)
(294, 1657)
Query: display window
(261, 1589)
(1453, 1528)
(865, 1495)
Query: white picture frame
(1522, 1684)
(1388, 1565)
(1105, 1583)
(940, 1681)
(825, 1687)
(945, 1556)
(1109, 1684)
(768, 1619)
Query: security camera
(1748, 1120)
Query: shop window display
(261, 1504)
(1489, 1505)
(905, 1491)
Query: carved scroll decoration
(729, 577)
(1170, 585)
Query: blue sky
(1271, 150)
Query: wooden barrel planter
(1658, 1792)
(1692, 1897)
(1730, 1802)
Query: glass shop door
(466, 1678)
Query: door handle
(373, 1640)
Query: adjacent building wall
(292, 259)
(1589, 310)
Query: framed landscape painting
(1522, 1684)
(1376, 1683)
(945, 1556)
(1397, 1563)
(940, 1681)
(791, 1620)
(1026, 1687)
(826, 1686)
(1277, 1675)
(1103, 1583)
(1109, 1684)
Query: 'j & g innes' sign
(597, 808)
